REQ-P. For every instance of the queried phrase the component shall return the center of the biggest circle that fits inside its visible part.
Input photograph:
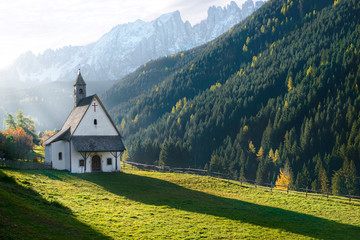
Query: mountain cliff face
(126, 47)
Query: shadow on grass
(24, 214)
(159, 192)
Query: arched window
(60, 155)
(95, 122)
(80, 91)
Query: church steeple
(79, 89)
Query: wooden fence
(268, 186)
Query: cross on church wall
(94, 105)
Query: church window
(80, 91)
(81, 162)
(95, 122)
(109, 161)
(60, 155)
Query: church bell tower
(79, 89)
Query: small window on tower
(80, 91)
(60, 155)
(95, 122)
(81, 162)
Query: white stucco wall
(56, 147)
(103, 127)
(76, 157)
(67, 155)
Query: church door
(96, 164)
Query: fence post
(241, 181)
(288, 189)
(271, 187)
(306, 190)
(255, 184)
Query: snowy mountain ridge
(126, 47)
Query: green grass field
(134, 204)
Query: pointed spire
(79, 89)
(79, 79)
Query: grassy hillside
(146, 205)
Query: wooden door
(96, 164)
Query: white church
(89, 140)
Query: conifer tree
(338, 182)
(323, 180)
(276, 156)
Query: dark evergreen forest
(279, 90)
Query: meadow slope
(147, 205)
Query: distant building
(88, 141)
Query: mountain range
(125, 47)
(42, 85)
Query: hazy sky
(36, 25)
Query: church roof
(98, 143)
(77, 113)
(63, 134)
(79, 80)
(73, 120)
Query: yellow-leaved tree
(252, 147)
(276, 156)
(290, 84)
(284, 179)
(260, 154)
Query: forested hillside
(279, 90)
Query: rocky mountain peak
(125, 47)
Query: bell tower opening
(79, 89)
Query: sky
(36, 25)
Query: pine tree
(276, 156)
(338, 182)
(323, 180)
(271, 155)
(262, 172)
(351, 178)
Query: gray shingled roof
(63, 134)
(79, 80)
(71, 123)
(77, 114)
(98, 143)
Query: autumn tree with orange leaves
(19, 142)
(19, 137)
(24, 122)
(46, 135)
